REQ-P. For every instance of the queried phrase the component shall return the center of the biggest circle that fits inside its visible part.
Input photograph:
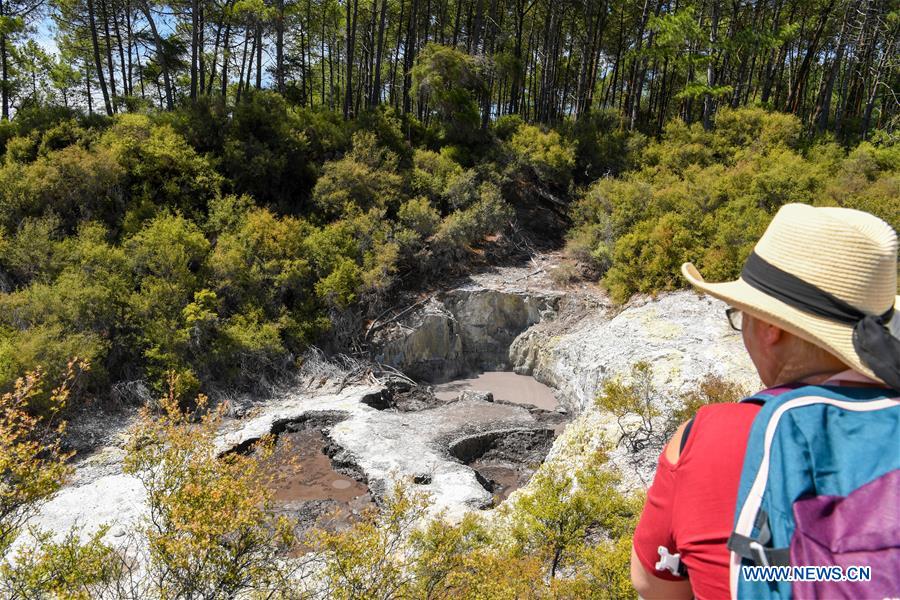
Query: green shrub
(545, 156)
(50, 347)
(61, 136)
(451, 81)
(266, 152)
(648, 258)
(551, 522)
(32, 252)
(365, 178)
(707, 196)
(385, 124)
(431, 173)
(603, 146)
(648, 416)
(165, 257)
(712, 389)
(21, 149)
(162, 170)
(340, 287)
(73, 567)
(420, 216)
(507, 125)
(75, 183)
(463, 228)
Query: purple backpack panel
(860, 529)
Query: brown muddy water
(503, 480)
(302, 471)
(505, 386)
(307, 485)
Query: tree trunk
(392, 95)
(709, 102)
(456, 23)
(516, 84)
(243, 65)
(796, 95)
(351, 42)
(409, 54)
(126, 88)
(279, 47)
(376, 86)
(215, 57)
(195, 10)
(161, 56)
(4, 74)
(129, 36)
(322, 60)
(104, 14)
(98, 63)
(633, 97)
(258, 56)
(226, 59)
(873, 95)
(823, 105)
(201, 44)
(87, 85)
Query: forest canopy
(832, 63)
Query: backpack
(819, 496)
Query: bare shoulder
(673, 447)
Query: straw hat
(812, 261)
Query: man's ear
(772, 334)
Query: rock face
(460, 331)
(683, 336)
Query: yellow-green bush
(706, 197)
(544, 155)
(365, 178)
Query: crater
(503, 460)
(312, 478)
(402, 397)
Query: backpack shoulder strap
(685, 434)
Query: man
(813, 305)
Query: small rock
(477, 395)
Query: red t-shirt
(690, 506)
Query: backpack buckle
(759, 553)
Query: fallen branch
(375, 325)
(535, 272)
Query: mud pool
(301, 471)
(504, 460)
(505, 386)
(317, 477)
